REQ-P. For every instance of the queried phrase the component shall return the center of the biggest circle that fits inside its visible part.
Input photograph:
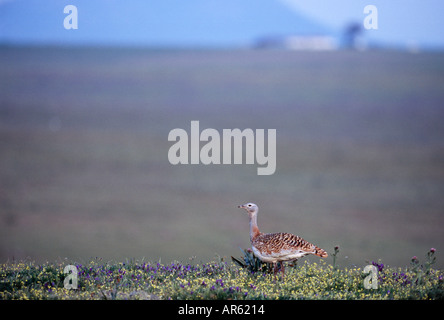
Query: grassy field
(84, 171)
(218, 280)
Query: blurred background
(85, 115)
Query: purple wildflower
(380, 266)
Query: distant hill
(177, 23)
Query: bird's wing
(275, 243)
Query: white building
(299, 42)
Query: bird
(277, 247)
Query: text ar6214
(227, 309)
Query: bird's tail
(320, 252)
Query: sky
(400, 22)
(403, 21)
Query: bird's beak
(241, 206)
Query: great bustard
(277, 247)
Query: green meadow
(84, 171)
(218, 280)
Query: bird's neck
(254, 230)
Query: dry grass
(359, 157)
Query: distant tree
(351, 33)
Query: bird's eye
(249, 205)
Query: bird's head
(251, 208)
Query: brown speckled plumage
(277, 247)
(279, 242)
